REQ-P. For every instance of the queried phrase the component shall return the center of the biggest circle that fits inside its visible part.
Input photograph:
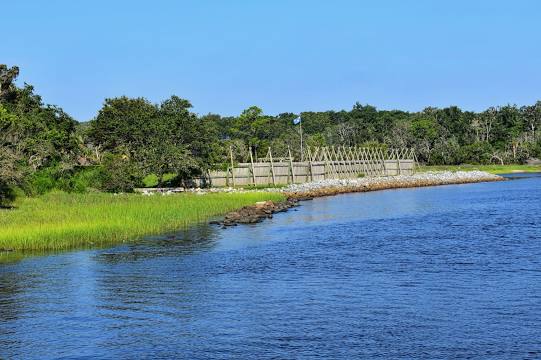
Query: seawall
(341, 186)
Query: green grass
(263, 187)
(59, 221)
(493, 169)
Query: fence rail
(317, 164)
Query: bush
(150, 181)
(119, 174)
(81, 180)
(476, 153)
(168, 180)
(40, 182)
(7, 194)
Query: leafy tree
(124, 123)
(425, 132)
(7, 77)
(33, 136)
(119, 173)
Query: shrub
(40, 182)
(151, 180)
(476, 153)
(7, 194)
(83, 179)
(119, 174)
(168, 180)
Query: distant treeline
(133, 142)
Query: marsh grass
(493, 169)
(62, 221)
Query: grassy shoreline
(492, 169)
(61, 221)
(58, 221)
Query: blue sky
(284, 56)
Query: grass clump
(59, 220)
(493, 169)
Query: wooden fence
(316, 164)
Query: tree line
(132, 142)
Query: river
(437, 272)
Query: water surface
(439, 272)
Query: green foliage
(477, 153)
(493, 169)
(134, 142)
(169, 179)
(158, 139)
(7, 194)
(40, 182)
(119, 174)
(83, 180)
(35, 139)
(151, 180)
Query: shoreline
(59, 221)
(57, 233)
(334, 187)
(300, 192)
(492, 169)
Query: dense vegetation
(133, 142)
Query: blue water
(440, 272)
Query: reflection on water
(443, 272)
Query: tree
(124, 123)
(424, 130)
(484, 124)
(7, 77)
(158, 139)
(532, 116)
(119, 173)
(33, 136)
(365, 123)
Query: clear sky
(284, 56)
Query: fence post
(398, 163)
(232, 165)
(309, 153)
(291, 165)
(272, 167)
(252, 163)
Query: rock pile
(256, 213)
(339, 186)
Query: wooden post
(398, 155)
(327, 166)
(252, 163)
(291, 165)
(272, 167)
(309, 153)
(416, 165)
(383, 170)
(232, 165)
(332, 161)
